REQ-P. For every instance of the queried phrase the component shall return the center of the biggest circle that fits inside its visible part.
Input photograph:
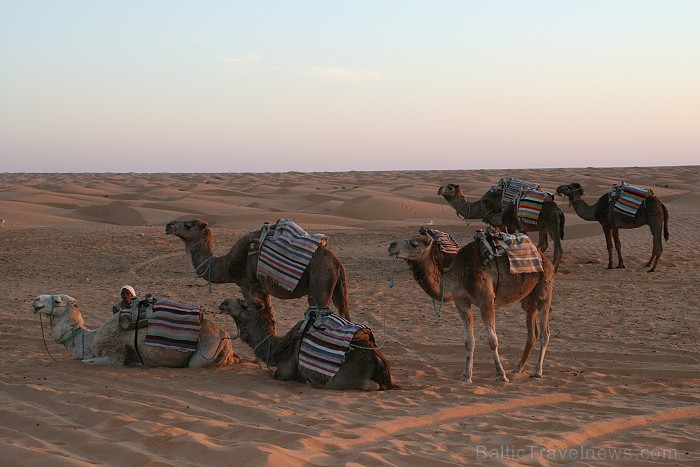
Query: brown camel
(454, 195)
(324, 278)
(364, 366)
(550, 222)
(652, 212)
(469, 282)
(488, 208)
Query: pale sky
(274, 86)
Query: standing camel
(467, 281)
(323, 280)
(454, 195)
(488, 208)
(652, 212)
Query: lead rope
(44, 338)
(207, 272)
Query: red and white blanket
(285, 251)
(326, 342)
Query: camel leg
(542, 242)
(488, 316)
(466, 314)
(544, 306)
(609, 245)
(618, 247)
(558, 253)
(656, 248)
(530, 307)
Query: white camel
(111, 345)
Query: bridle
(67, 337)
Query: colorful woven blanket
(523, 255)
(174, 325)
(285, 252)
(530, 204)
(513, 188)
(444, 240)
(326, 342)
(628, 198)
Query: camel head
(449, 191)
(57, 307)
(53, 305)
(572, 191)
(412, 249)
(186, 230)
(248, 313)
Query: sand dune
(621, 375)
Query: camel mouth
(169, 229)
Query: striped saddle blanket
(285, 250)
(628, 198)
(530, 204)
(326, 341)
(523, 255)
(513, 188)
(444, 240)
(174, 325)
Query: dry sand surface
(621, 375)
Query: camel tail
(340, 294)
(666, 235)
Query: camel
(364, 366)
(467, 281)
(488, 208)
(324, 278)
(454, 195)
(111, 345)
(652, 212)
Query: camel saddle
(522, 254)
(139, 314)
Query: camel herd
(463, 278)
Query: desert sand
(621, 376)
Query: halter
(67, 337)
(207, 271)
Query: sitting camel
(550, 222)
(652, 212)
(364, 366)
(111, 344)
(323, 280)
(467, 281)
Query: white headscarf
(129, 288)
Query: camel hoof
(536, 375)
(610, 266)
(620, 266)
(502, 379)
(466, 379)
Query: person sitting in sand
(128, 294)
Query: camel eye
(414, 243)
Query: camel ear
(203, 225)
(453, 185)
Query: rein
(44, 338)
(67, 337)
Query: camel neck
(430, 278)
(584, 210)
